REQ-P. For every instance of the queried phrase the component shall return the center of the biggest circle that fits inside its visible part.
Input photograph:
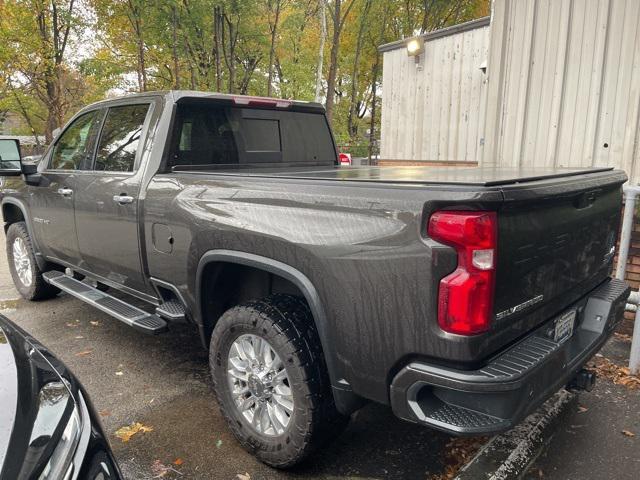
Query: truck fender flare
(27, 220)
(287, 272)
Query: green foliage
(118, 46)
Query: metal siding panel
(396, 95)
(621, 147)
(602, 154)
(575, 89)
(427, 111)
(476, 82)
(538, 127)
(531, 93)
(438, 81)
(387, 104)
(556, 107)
(633, 125)
(427, 124)
(570, 98)
(597, 74)
(563, 79)
(418, 110)
(455, 121)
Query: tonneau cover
(476, 176)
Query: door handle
(65, 192)
(123, 199)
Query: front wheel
(271, 380)
(27, 276)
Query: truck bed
(475, 176)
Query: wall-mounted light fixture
(415, 47)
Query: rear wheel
(27, 276)
(271, 381)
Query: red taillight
(345, 158)
(465, 297)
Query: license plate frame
(564, 326)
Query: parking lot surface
(163, 382)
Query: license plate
(564, 326)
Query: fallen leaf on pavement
(78, 337)
(218, 443)
(619, 375)
(83, 353)
(72, 325)
(119, 373)
(458, 452)
(582, 409)
(94, 323)
(125, 433)
(160, 470)
(623, 336)
(243, 476)
(178, 461)
(104, 413)
(628, 433)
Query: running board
(126, 313)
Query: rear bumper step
(497, 396)
(123, 311)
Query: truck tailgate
(556, 242)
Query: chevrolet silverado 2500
(463, 298)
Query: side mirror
(10, 165)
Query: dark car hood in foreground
(26, 416)
(8, 393)
(38, 396)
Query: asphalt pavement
(163, 383)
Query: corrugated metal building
(562, 87)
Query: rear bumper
(497, 396)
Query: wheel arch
(346, 401)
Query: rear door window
(120, 138)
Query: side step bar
(126, 313)
(172, 310)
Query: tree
(274, 7)
(255, 47)
(338, 17)
(35, 36)
(353, 106)
(323, 36)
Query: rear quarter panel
(361, 245)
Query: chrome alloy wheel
(260, 385)
(22, 262)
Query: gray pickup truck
(463, 298)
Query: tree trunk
(272, 50)
(217, 28)
(135, 20)
(374, 102)
(174, 28)
(333, 62)
(230, 55)
(323, 36)
(351, 127)
(338, 22)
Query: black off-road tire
(285, 321)
(38, 289)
